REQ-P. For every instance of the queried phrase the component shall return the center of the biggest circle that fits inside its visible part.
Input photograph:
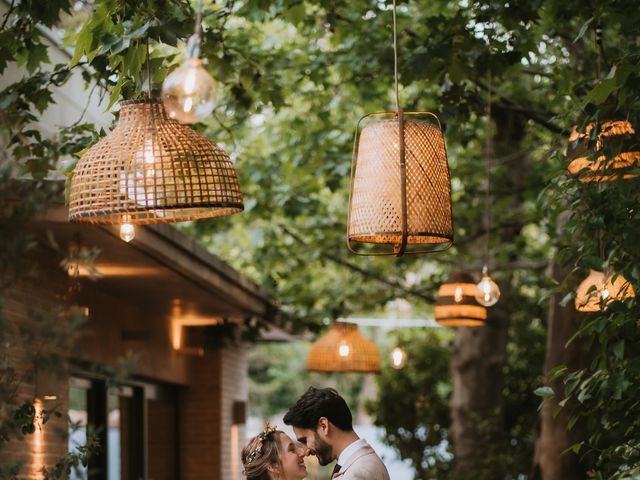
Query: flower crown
(257, 451)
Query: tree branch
(392, 282)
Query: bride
(272, 455)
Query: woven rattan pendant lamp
(343, 349)
(152, 169)
(616, 152)
(596, 291)
(456, 305)
(400, 195)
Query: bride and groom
(322, 423)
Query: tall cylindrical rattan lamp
(616, 152)
(456, 305)
(601, 287)
(400, 195)
(152, 169)
(401, 189)
(343, 349)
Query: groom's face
(316, 444)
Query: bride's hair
(260, 452)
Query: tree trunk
(550, 463)
(477, 407)
(477, 412)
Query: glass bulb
(487, 291)
(344, 349)
(457, 295)
(127, 232)
(398, 358)
(189, 92)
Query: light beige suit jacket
(363, 464)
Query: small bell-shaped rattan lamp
(400, 197)
(456, 305)
(600, 288)
(617, 151)
(343, 349)
(152, 169)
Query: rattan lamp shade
(343, 349)
(617, 151)
(152, 169)
(456, 305)
(401, 189)
(599, 286)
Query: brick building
(168, 301)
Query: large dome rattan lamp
(616, 152)
(152, 169)
(400, 195)
(601, 288)
(456, 305)
(343, 349)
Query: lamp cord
(395, 56)
(198, 26)
(148, 70)
(488, 149)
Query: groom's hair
(316, 403)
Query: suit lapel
(361, 452)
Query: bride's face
(292, 459)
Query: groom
(322, 421)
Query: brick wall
(235, 386)
(199, 420)
(206, 407)
(22, 303)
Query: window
(123, 418)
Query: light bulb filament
(457, 295)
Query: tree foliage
(296, 75)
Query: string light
(127, 230)
(398, 358)
(189, 92)
(487, 291)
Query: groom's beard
(323, 450)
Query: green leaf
(583, 29)
(593, 263)
(83, 43)
(601, 92)
(618, 349)
(544, 391)
(37, 55)
(115, 92)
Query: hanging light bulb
(344, 349)
(398, 358)
(189, 92)
(127, 230)
(487, 291)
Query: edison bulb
(398, 358)
(127, 232)
(487, 291)
(189, 92)
(457, 294)
(344, 349)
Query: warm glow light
(138, 181)
(487, 291)
(236, 464)
(189, 92)
(38, 439)
(179, 320)
(600, 288)
(457, 296)
(398, 358)
(127, 232)
(344, 349)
